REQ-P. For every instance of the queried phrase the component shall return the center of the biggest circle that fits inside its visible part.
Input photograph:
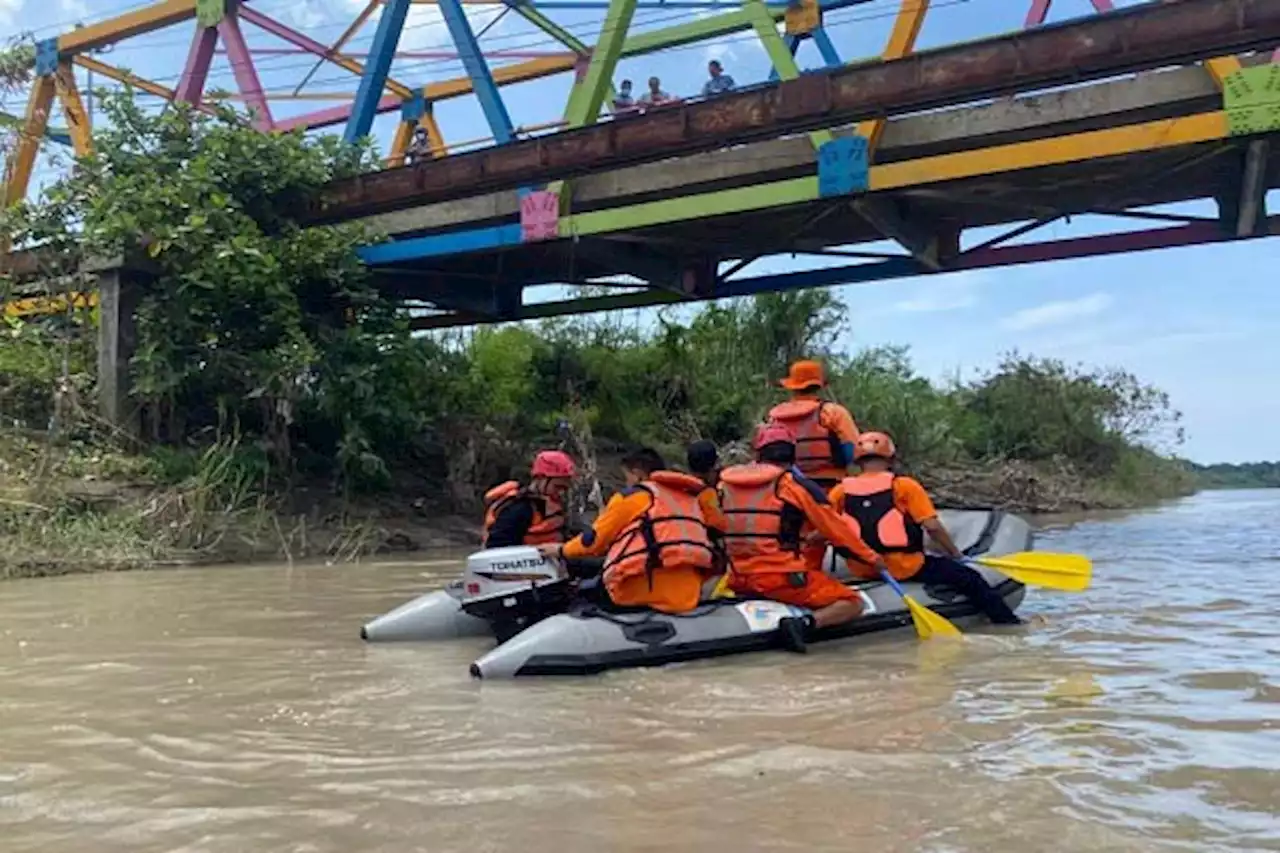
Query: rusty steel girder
(1134, 39)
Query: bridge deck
(1134, 142)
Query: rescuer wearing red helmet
(893, 513)
(532, 514)
(769, 509)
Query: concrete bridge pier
(120, 283)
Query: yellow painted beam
(902, 41)
(144, 20)
(347, 34)
(126, 77)
(64, 84)
(434, 136)
(1222, 68)
(22, 161)
(1138, 138)
(400, 143)
(515, 73)
(1113, 142)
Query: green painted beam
(682, 34)
(766, 27)
(585, 104)
(551, 28)
(761, 197)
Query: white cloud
(72, 9)
(939, 296)
(1054, 313)
(9, 10)
(933, 295)
(300, 16)
(425, 28)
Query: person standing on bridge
(893, 514)
(719, 82)
(655, 97)
(825, 431)
(623, 102)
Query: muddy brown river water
(235, 709)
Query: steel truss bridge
(1114, 113)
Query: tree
(253, 320)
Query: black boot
(792, 633)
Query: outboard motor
(512, 588)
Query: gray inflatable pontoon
(590, 639)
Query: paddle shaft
(893, 582)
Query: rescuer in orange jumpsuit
(532, 514)
(824, 430)
(769, 509)
(894, 512)
(655, 535)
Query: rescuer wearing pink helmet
(532, 514)
(770, 508)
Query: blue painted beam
(825, 46)
(376, 69)
(821, 277)
(464, 41)
(436, 245)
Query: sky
(1203, 323)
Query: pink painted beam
(1100, 244)
(191, 85)
(242, 65)
(1040, 10)
(334, 115)
(416, 54)
(271, 25)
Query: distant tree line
(1250, 475)
(271, 334)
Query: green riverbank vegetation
(287, 410)
(1248, 475)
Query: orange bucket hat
(804, 374)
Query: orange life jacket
(760, 534)
(548, 515)
(671, 532)
(868, 500)
(818, 450)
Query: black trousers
(944, 571)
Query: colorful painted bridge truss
(688, 227)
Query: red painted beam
(1133, 39)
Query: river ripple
(234, 710)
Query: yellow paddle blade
(1067, 572)
(929, 624)
(722, 588)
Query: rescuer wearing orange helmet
(655, 535)
(893, 513)
(824, 430)
(769, 508)
(532, 514)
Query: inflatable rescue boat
(527, 603)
